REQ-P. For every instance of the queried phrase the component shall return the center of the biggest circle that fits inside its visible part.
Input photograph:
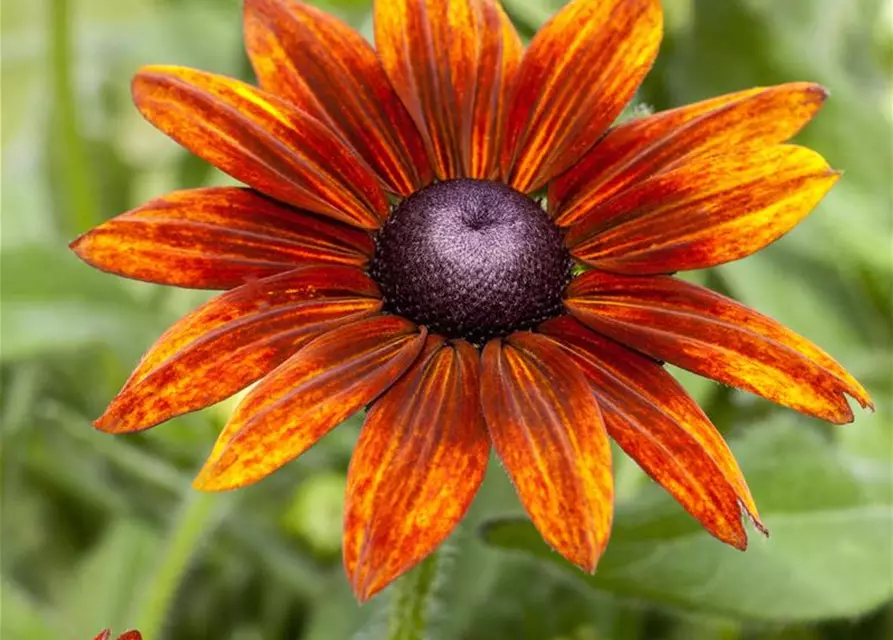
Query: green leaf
(829, 554)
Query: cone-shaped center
(471, 259)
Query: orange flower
(106, 634)
(453, 313)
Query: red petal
(308, 395)
(261, 140)
(235, 339)
(660, 426)
(105, 634)
(329, 71)
(579, 72)
(419, 462)
(217, 238)
(708, 211)
(547, 429)
(714, 336)
(131, 635)
(643, 147)
(452, 67)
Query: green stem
(410, 612)
(76, 182)
(199, 514)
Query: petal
(709, 211)
(261, 140)
(714, 336)
(643, 147)
(418, 464)
(329, 71)
(131, 635)
(660, 426)
(105, 634)
(579, 72)
(307, 396)
(453, 67)
(547, 429)
(217, 238)
(236, 339)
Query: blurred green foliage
(102, 531)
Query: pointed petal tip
(853, 389)
(756, 522)
(141, 75)
(210, 479)
(842, 414)
(218, 475)
(75, 245)
(815, 91)
(585, 558)
(365, 585)
(109, 422)
(590, 564)
(822, 91)
(81, 247)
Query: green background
(104, 531)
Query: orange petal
(714, 336)
(131, 635)
(261, 140)
(308, 395)
(217, 238)
(579, 72)
(643, 147)
(708, 211)
(419, 462)
(453, 67)
(235, 339)
(329, 71)
(547, 429)
(660, 426)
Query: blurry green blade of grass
(128, 458)
(78, 187)
(25, 619)
(47, 272)
(828, 556)
(246, 530)
(52, 302)
(191, 527)
(113, 569)
(35, 329)
(18, 398)
(280, 561)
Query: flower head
(388, 252)
(106, 634)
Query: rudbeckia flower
(448, 230)
(106, 634)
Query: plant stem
(199, 514)
(411, 602)
(76, 182)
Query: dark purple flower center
(471, 259)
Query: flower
(387, 252)
(106, 634)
